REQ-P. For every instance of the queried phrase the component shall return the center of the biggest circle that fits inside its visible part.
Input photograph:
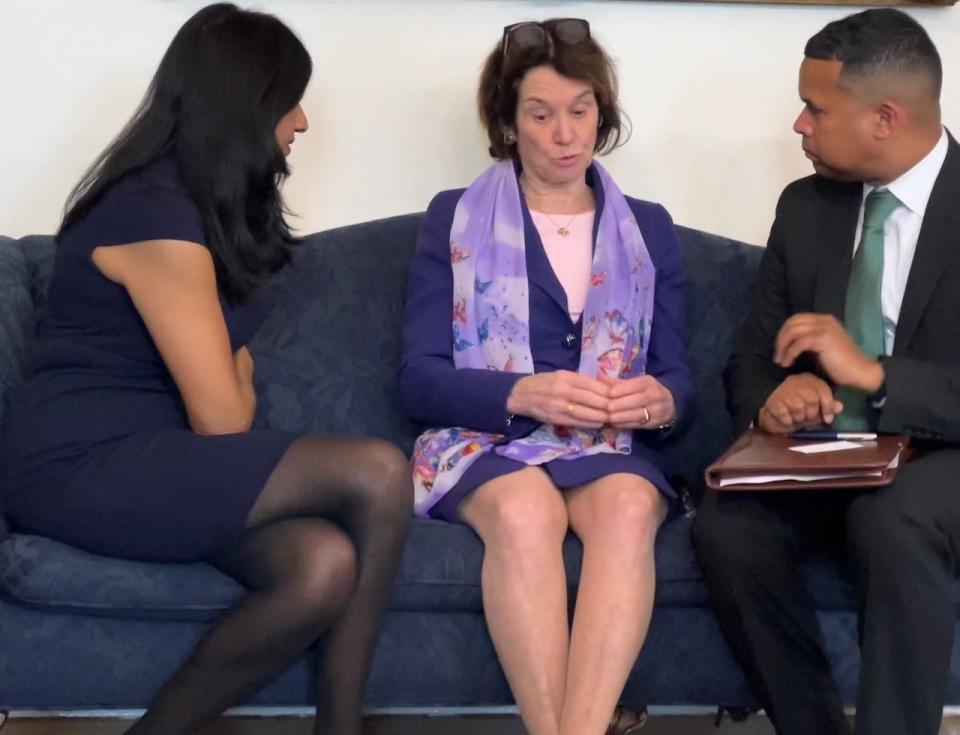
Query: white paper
(832, 446)
(762, 479)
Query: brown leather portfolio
(759, 461)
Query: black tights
(322, 545)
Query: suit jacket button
(570, 341)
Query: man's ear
(888, 119)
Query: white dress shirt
(901, 231)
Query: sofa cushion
(40, 573)
(720, 274)
(440, 571)
(327, 354)
(16, 317)
(16, 325)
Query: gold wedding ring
(570, 407)
(646, 415)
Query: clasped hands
(804, 399)
(566, 398)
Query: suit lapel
(939, 239)
(837, 227)
(539, 270)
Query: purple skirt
(168, 495)
(565, 474)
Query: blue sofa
(82, 632)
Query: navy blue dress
(97, 450)
(435, 393)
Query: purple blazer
(436, 393)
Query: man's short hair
(879, 42)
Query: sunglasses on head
(532, 34)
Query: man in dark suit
(855, 322)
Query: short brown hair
(585, 61)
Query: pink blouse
(570, 254)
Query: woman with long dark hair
(131, 435)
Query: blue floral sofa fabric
(79, 631)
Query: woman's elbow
(406, 391)
(220, 429)
(414, 388)
(218, 420)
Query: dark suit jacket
(435, 393)
(805, 269)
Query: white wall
(711, 90)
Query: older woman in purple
(544, 347)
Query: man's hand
(839, 356)
(800, 401)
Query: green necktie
(863, 317)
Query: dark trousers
(902, 543)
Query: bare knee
(520, 519)
(625, 510)
(639, 509)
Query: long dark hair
(227, 78)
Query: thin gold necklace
(562, 230)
